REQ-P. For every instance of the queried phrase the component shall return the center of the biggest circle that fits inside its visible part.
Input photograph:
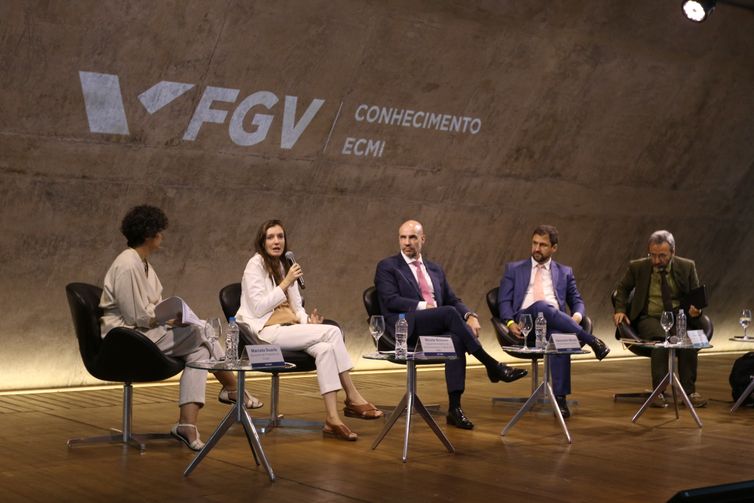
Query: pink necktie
(539, 290)
(423, 286)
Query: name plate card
(698, 338)
(566, 342)
(264, 356)
(436, 346)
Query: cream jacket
(129, 295)
(260, 296)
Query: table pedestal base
(671, 378)
(542, 394)
(237, 414)
(411, 403)
(744, 396)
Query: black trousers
(445, 320)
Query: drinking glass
(745, 321)
(377, 328)
(525, 324)
(666, 320)
(214, 333)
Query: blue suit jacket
(399, 292)
(516, 280)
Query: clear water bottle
(680, 328)
(401, 337)
(231, 342)
(540, 331)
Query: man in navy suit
(406, 283)
(541, 285)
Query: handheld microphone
(291, 260)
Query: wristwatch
(470, 313)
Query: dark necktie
(667, 294)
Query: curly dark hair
(272, 264)
(141, 223)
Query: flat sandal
(251, 402)
(194, 445)
(339, 431)
(363, 411)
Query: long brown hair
(272, 264)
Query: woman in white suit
(272, 311)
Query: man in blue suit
(406, 283)
(541, 285)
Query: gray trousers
(649, 328)
(187, 344)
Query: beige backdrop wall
(608, 119)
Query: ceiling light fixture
(698, 10)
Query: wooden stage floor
(611, 459)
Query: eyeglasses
(658, 256)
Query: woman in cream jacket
(130, 293)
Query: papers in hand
(175, 308)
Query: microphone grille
(289, 256)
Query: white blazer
(260, 296)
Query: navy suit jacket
(399, 292)
(516, 280)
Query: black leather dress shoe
(600, 348)
(502, 372)
(563, 406)
(457, 418)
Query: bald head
(411, 238)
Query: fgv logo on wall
(104, 109)
(105, 112)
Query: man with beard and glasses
(660, 282)
(541, 285)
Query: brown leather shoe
(340, 431)
(363, 411)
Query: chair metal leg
(277, 420)
(124, 435)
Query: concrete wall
(608, 119)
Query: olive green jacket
(637, 279)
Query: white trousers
(323, 342)
(187, 344)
